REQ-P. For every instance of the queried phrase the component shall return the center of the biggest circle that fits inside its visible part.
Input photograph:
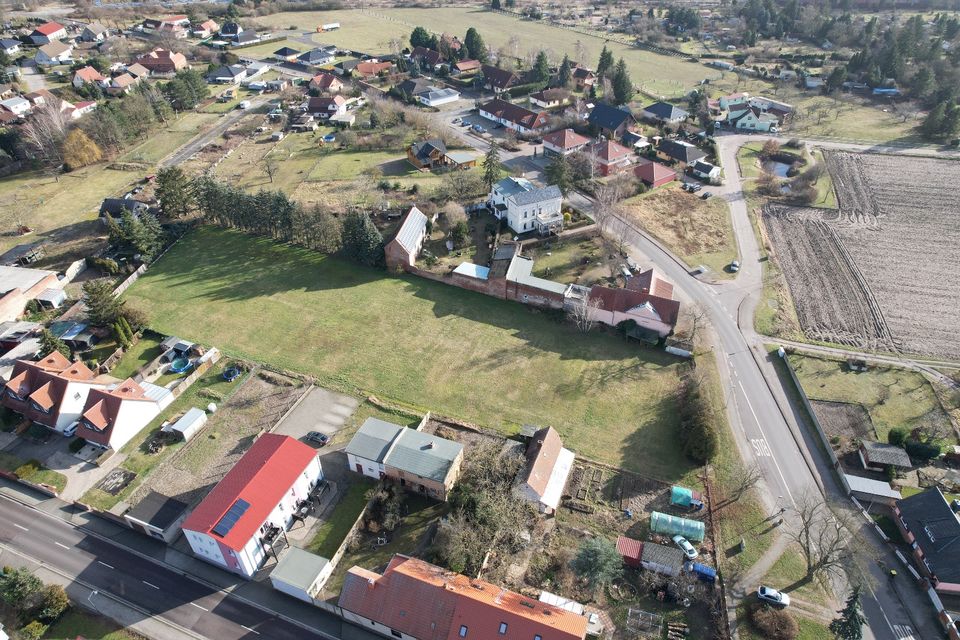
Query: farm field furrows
(880, 273)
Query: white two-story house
(527, 207)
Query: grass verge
(76, 623)
(332, 533)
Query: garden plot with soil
(255, 407)
(880, 274)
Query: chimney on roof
(499, 598)
(430, 444)
(371, 583)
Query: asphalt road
(188, 606)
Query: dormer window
(13, 394)
(37, 407)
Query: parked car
(318, 438)
(692, 187)
(478, 129)
(688, 550)
(245, 104)
(455, 121)
(734, 266)
(774, 597)
(71, 429)
(464, 123)
(706, 195)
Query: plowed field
(881, 273)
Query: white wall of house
(311, 591)
(640, 315)
(376, 627)
(507, 123)
(562, 152)
(132, 417)
(751, 122)
(251, 556)
(43, 58)
(370, 468)
(524, 218)
(71, 406)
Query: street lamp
(93, 592)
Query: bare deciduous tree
(606, 196)
(270, 167)
(582, 312)
(44, 132)
(827, 537)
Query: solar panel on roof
(230, 518)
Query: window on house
(396, 634)
(463, 631)
(77, 396)
(503, 628)
(537, 637)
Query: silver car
(688, 550)
(774, 597)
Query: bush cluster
(774, 624)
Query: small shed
(871, 490)
(301, 574)
(661, 559)
(79, 337)
(52, 298)
(672, 525)
(877, 455)
(683, 497)
(189, 424)
(630, 550)
(158, 516)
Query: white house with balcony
(527, 207)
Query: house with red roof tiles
(610, 157)
(415, 600)
(654, 174)
(545, 474)
(326, 82)
(48, 32)
(564, 142)
(652, 314)
(163, 61)
(650, 282)
(113, 415)
(87, 75)
(242, 519)
(514, 116)
(51, 392)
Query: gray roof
(606, 116)
(512, 186)
(423, 454)
(879, 453)
(299, 568)
(20, 278)
(158, 510)
(537, 195)
(410, 231)
(666, 111)
(661, 554)
(373, 440)
(521, 270)
(684, 152)
(937, 531)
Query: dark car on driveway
(318, 438)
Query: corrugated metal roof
(299, 568)
(871, 486)
(412, 228)
(425, 455)
(472, 270)
(373, 439)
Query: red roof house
(650, 282)
(51, 392)
(112, 416)
(234, 526)
(655, 174)
(610, 157)
(514, 116)
(47, 33)
(326, 82)
(564, 142)
(649, 312)
(370, 69)
(86, 75)
(416, 599)
(163, 61)
(630, 550)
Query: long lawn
(372, 31)
(436, 347)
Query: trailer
(331, 26)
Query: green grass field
(77, 623)
(424, 344)
(177, 133)
(372, 31)
(892, 397)
(137, 356)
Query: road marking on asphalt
(149, 585)
(199, 607)
(760, 427)
(250, 630)
(60, 544)
(105, 564)
(20, 526)
(761, 448)
(903, 631)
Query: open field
(371, 31)
(881, 273)
(892, 397)
(162, 143)
(698, 231)
(413, 340)
(77, 623)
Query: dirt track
(882, 273)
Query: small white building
(434, 97)
(526, 207)
(239, 522)
(301, 574)
(16, 105)
(158, 516)
(189, 424)
(54, 53)
(706, 171)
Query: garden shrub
(922, 450)
(33, 631)
(897, 436)
(774, 624)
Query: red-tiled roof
(43, 383)
(654, 172)
(428, 602)
(372, 68)
(566, 139)
(608, 151)
(515, 114)
(89, 74)
(467, 65)
(262, 476)
(324, 80)
(542, 454)
(48, 28)
(100, 412)
(628, 548)
(650, 282)
(624, 300)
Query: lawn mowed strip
(421, 343)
